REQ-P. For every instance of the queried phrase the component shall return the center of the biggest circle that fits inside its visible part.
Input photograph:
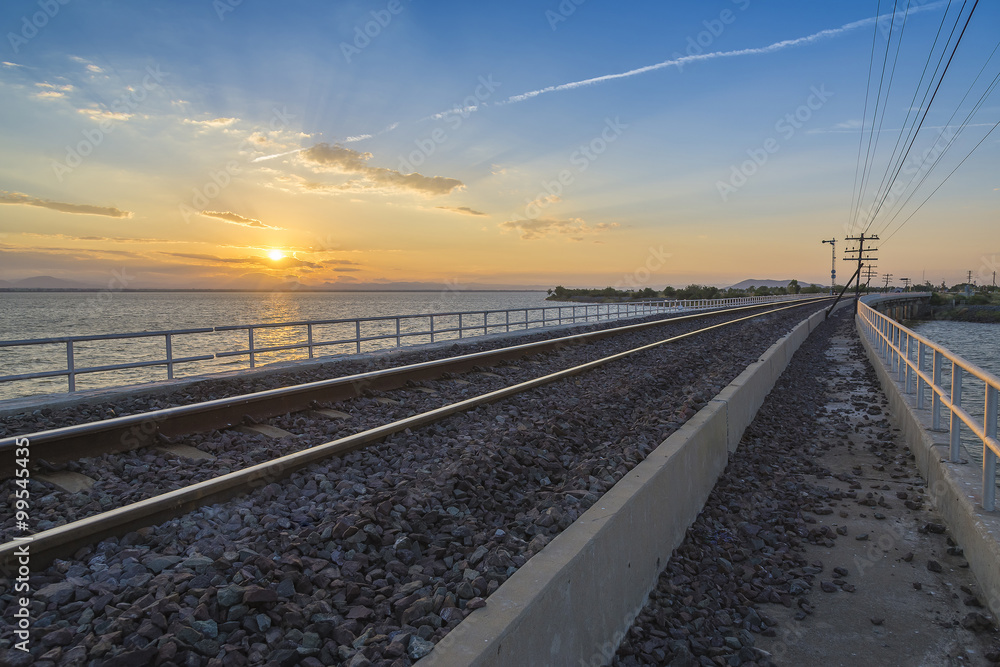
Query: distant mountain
(45, 282)
(766, 283)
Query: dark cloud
(352, 162)
(541, 227)
(78, 209)
(235, 219)
(464, 210)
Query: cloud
(283, 263)
(326, 157)
(7, 64)
(214, 122)
(103, 239)
(538, 228)
(78, 209)
(103, 114)
(234, 219)
(464, 210)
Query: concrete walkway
(914, 600)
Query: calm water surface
(32, 315)
(978, 343)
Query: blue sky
(251, 143)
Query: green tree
(793, 287)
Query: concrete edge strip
(573, 602)
(955, 489)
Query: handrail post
(70, 366)
(460, 325)
(250, 338)
(432, 327)
(485, 317)
(956, 401)
(920, 375)
(989, 457)
(398, 343)
(936, 359)
(170, 359)
(357, 335)
(908, 371)
(507, 318)
(309, 336)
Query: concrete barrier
(573, 602)
(954, 488)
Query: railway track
(120, 434)
(383, 547)
(163, 427)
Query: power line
(975, 109)
(937, 88)
(900, 226)
(861, 135)
(914, 109)
(906, 130)
(871, 134)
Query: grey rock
(418, 648)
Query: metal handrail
(533, 317)
(904, 353)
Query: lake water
(979, 344)
(32, 315)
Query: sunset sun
(276, 255)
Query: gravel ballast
(371, 558)
(128, 477)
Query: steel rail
(64, 540)
(129, 432)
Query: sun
(276, 255)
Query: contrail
(683, 60)
(271, 157)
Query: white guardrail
(905, 353)
(348, 335)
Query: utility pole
(887, 277)
(906, 284)
(994, 278)
(968, 280)
(862, 256)
(833, 264)
(869, 274)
